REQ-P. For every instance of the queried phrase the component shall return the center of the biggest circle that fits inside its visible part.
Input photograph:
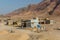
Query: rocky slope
(45, 8)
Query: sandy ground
(19, 34)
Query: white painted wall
(35, 22)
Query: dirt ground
(11, 33)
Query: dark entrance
(26, 23)
(14, 23)
(41, 22)
(47, 21)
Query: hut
(19, 23)
(26, 23)
(34, 22)
(5, 22)
(51, 21)
(41, 21)
(47, 21)
(10, 22)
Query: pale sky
(7, 6)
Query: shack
(49, 21)
(41, 21)
(34, 22)
(26, 23)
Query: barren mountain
(45, 8)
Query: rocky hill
(45, 8)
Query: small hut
(41, 21)
(51, 21)
(47, 21)
(19, 23)
(26, 23)
(34, 22)
(10, 22)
